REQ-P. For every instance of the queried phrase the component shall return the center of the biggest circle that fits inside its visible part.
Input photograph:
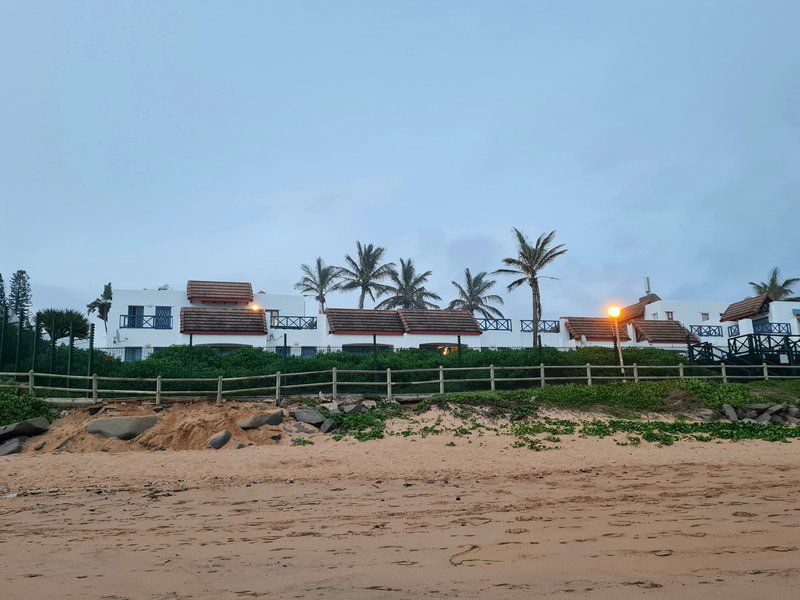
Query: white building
(228, 315)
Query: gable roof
(599, 329)
(236, 292)
(223, 320)
(460, 322)
(662, 332)
(636, 311)
(398, 322)
(746, 308)
(363, 321)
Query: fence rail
(430, 380)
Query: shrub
(15, 408)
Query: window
(136, 316)
(655, 316)
(308, 351)
(704, 316)
(133, 353)
(163, 317)
(670, 316)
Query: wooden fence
(389, 382)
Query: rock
(123, 428)
(327, 426)
(25, 428)
(369, 403)
(93, 410)
(751, 414)
(757, 407)
(705, 414)
(218, 440)
(729, 412)
(12, 446)
(776, 419)
(261, 419)
(239, 446)
(40, 445)
(300, 428)
(158, 409)
(354, 409)
(276, 437)
(330, 407)
(790, 420)
(763, 418)
(792, 411)
(775, 408)
(308, 415)
(748, 421)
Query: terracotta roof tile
(213, 320)
(363, 321)
(745, 308)
(636, 311)
(440, 321)
(662, 332)
(599, 329)
(219, 291)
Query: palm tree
(102, 305)
(474, 297)
(406, 289)
(365, 272)
(318, 281)
(528, 263)
(774, 288)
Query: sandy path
(406, 519)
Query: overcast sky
(150, 143)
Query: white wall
(786, 312)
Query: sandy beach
(405, 518)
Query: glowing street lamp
(613, 312)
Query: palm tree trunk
(536, 316)
(361, 298)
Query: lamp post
(613, 312)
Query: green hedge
(15, 408)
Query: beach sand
(405, 518)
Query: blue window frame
(163, 318)
(133, 353)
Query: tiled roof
(745, 308)
(595, 329)
(662, 332)
(398, 322)
(213, 320)
(354, 320)
(219, 291)
(440, 321)
(636, 311)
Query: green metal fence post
(19, 340)
(69, 353)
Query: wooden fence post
(158, 390)
(94, 387)
(388, 384)
(31, 385)
(766, 372)
(219, 390)
(588, 374)
(541, 374)
(635, 373)
(491, 377)
(724, 371)
(441, 379)
(277, 387)
(680, 371)
(334, 384)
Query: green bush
(15, 408)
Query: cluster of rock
(13, 436)
(776, 414)
(256, 421)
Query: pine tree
(3, 303)
(19, 293)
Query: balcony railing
(706, 330)
(145, 321)
(777, 328)
(733, 330)
(494, 324)
(544, 326)
(282, 322)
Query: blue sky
(152, 142)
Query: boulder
(705, 414)
(775, 408)
(122, 428)
(308, 415)
(218, 440)
(25, 428)
(369, 403)
(12, 446)
(790, 420)
(776, 419)
(757, 407)
(792, 411)
(763, 418)
(276, 437)
(261, 419)
(330, 407)
(354, 409)
(327, 426)
(730, 412)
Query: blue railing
(766, 327)
(706, 330)
(145, 321)
(733, 330)
(281, 322)
(494, 324)
(544, 326)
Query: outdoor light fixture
(613, 312)
(255, 307)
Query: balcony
(281, 322)
(145, 321)
(544, 326)
(494, 324)
(706, 330)
(733, 330)
(772, 328)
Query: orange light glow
(613, 311)
(255, 307)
